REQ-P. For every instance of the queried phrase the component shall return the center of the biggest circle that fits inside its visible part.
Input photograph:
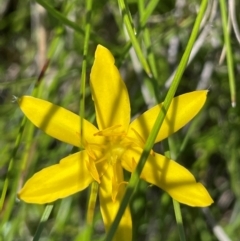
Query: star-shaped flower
(114, 145)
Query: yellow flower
(114, 145)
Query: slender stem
(45, 216)
(94, 186)
(84, 69)
(92, 202)
(229, 52)
(178, 215)
(176, 205)
(132, 35)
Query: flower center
(109, 153)
(114, 144)
(105, 158)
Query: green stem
(94, 185)
(228, 52)
(178, 215)
(45, 216)
(92, 203)
(176, 205)
(132, 35)
(59, 16)
(10, 171)
(84, 68)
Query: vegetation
(47, 50)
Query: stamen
(103, 158)
(109, 153)
(110, 131)
(89, 150)
(92, 169)
(115, 188)
(91, 154)
(138, 135)
(141, 143)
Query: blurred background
(48, 36)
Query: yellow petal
(109, 92)
(182, 109)
(176, 180)
(109, 208)
(57, 181)
(56, 121)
